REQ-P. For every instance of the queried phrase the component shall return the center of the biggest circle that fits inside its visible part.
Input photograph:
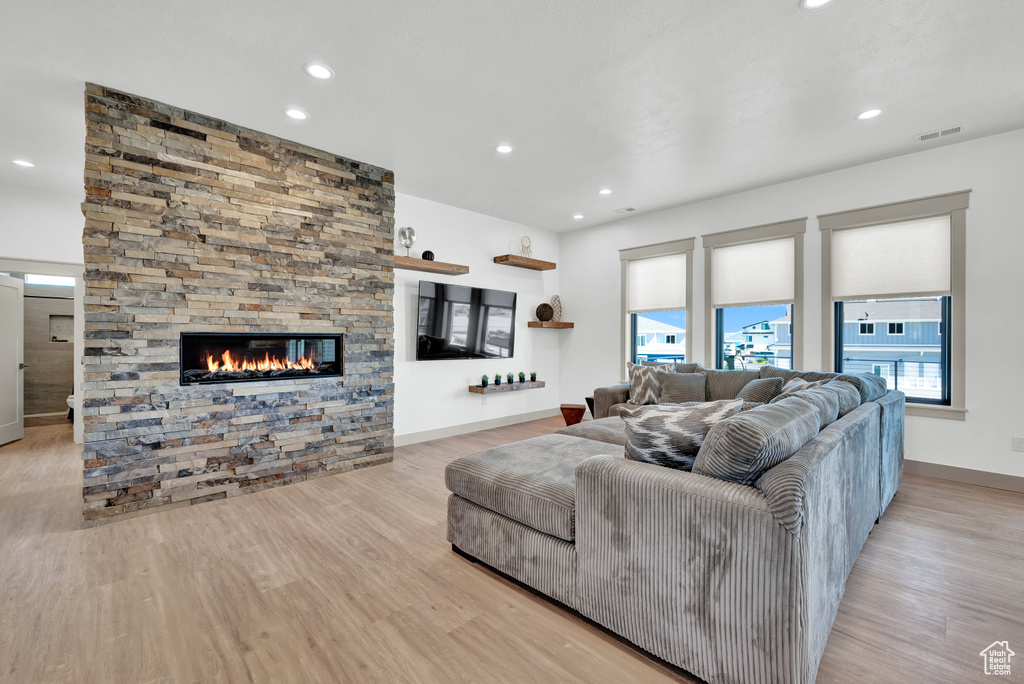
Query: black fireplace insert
(251, 357)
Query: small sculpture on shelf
(497, 379)
(511, 378)
(428, 255)
(407, 236)
(533, 376)
(545, 312)
(483, 381)
(556, 307)
(522, 376)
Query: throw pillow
(848, 395)
(747, 405)
(770, 371)
(826, 402)
(688, 368)
(679, 388)
(670, 435)
(762, 390)
(797, 384)
(726, 384)
(742, 448)
(870, 386)
(643, 384)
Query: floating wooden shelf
(551, 324)
(505, 387)
(414, 264)
(524, 262)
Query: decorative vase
(483, 383)
(497, 381)
(533, 377)
(556, 307)
(428, 256)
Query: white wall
(431, 396)
(40, 225)
(992, 167)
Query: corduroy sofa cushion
(726, 384)
(532, 482)
(742, 448)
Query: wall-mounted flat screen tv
(458, 322)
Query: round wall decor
(545, 312)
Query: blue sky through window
(735, 318)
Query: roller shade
(656, 284)
(753, 273)
(893, 259)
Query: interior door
(12, 358)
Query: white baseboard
(441, 433)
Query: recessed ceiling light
(604, 191)
(870, 114)
(504, 149)
(296, 114)
(22, 162)
(814, 4)
(578, 216)
(320, 71)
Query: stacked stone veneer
(195, 224)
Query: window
(903, 264)
(867, 328)
(754, 284)
(913, 365)
(656, 293)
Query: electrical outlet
(1017, 443)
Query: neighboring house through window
(753, 290)
(656, 295)
(901, 265)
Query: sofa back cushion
(680, 388)
(761, 390)
(848, 395)
(787, 374)
(871, 387)
(726, 384)
(689, 368)
(670, 435)
(643, 384)
(742, 448)
(826, 403)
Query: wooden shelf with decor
(506, 387)
(414, 264)
(561, 325)
(525, 262)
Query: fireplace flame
(227, 362)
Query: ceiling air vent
(624, 210)
(925, 137)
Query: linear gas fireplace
(248, 357)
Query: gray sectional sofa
(731, 582)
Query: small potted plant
(522, 376)
(533, 376)
(497, 379)
(483, 380)
(511, 378)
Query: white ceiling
(664, 101)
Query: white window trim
(794, 228)
(955, 205)
(903, 328)
(684, 246)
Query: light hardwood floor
(349, 579)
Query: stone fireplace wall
(196, 224)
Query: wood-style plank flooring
(349, 579)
